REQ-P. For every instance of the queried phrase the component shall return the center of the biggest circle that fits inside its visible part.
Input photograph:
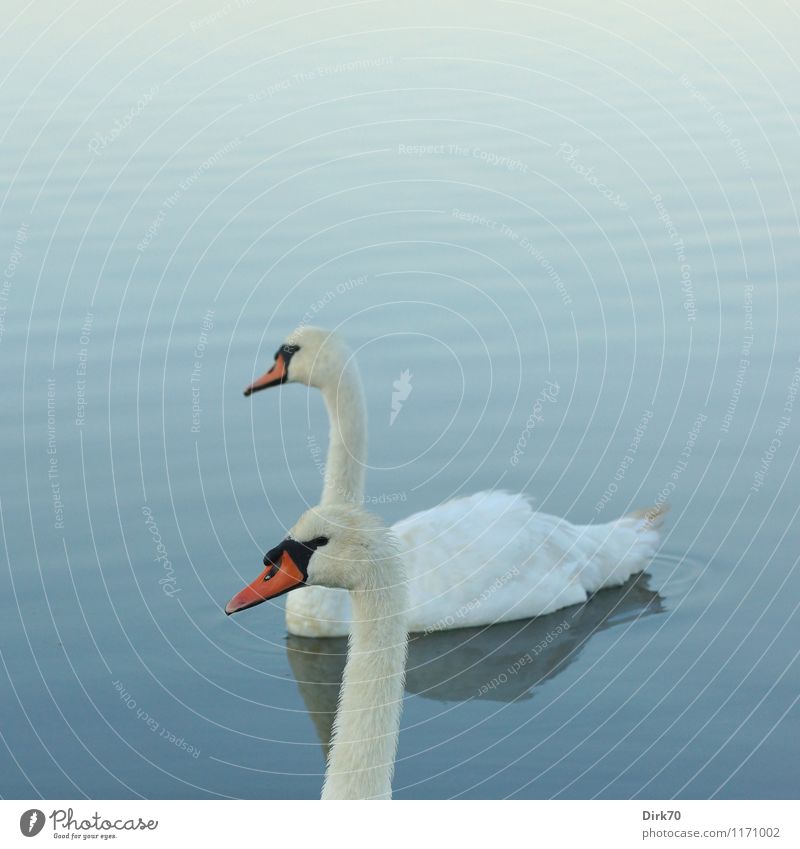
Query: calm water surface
(488, 195)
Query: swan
(342, 546)
(481, 559)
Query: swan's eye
(317, 542)
(287, 352)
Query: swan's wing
(490, 557)
(485, 558)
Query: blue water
(488, 195)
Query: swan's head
(309, 355)
(337, 546)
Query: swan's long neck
(367, 726)
(347, 448)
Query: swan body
(486, 558)
(343, 547)
(461, 577)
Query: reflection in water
(498, 663)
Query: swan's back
(491, 558)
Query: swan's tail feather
(651, 517)
(624, 547)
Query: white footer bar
(273, 823)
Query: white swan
(486, 558)
(341, 546)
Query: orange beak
(275, 376)
(276, 579)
